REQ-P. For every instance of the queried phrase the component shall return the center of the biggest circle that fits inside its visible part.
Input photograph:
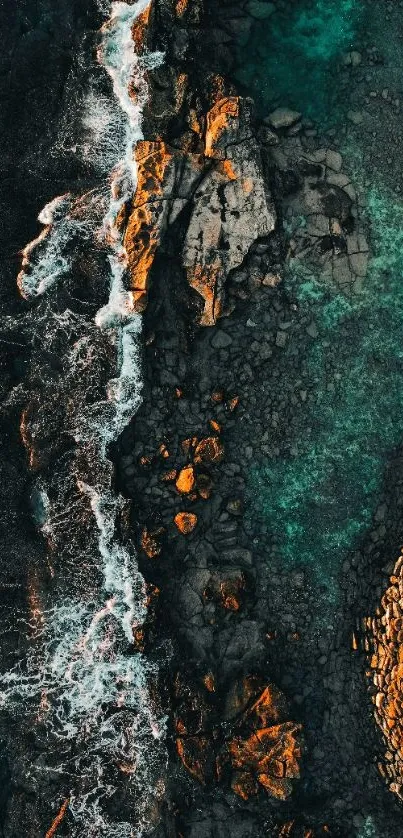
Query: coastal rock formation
(243, 735)
(385, 633)
(219, 198)
(231, 207)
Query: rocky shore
(262, 655)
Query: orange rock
(271, 756)
(384, 644)
(145, 461)
(163, 450)
(219, 124)
(169, 476)
(181, 7)
(186, 480)
(185, 522)
(143, 228)
(257, 755)
(58, 819)
(209, 450)
(150, 542)
(209, 682)
(230, 593)
(139, 29)
(205, 279)
(215, 426)
(228, 169)
(217, 396)
(233, 403)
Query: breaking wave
(83, 675)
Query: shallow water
(320, 502)
(292, 57)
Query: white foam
(84, 662)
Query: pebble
(220, 340)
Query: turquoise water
(292, 58)
(320, 502)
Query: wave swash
(81, 669)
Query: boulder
(282, 118)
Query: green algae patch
(292, 57)
(320, 503)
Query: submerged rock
(283, 118)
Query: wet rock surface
(226, 204)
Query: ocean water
(318, 502)
(291, 59)
(82, 679)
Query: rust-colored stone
(145, 462)
(384, 644)
(151, 543)
(186, 480)
(215, 426)
(220, 122)
(217, 396)
(58, 819)
(209, 451)
(262, 751)
(269, 756)
(143, 228)
(169, 476)
(181, 7)
(209, 682)
(185, 522)
(139, 29)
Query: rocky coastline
(270, 727)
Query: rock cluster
(385, 633)
(242, 733)
(323, 213)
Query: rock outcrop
(219, 199)
(244, 735)
(385, 635)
